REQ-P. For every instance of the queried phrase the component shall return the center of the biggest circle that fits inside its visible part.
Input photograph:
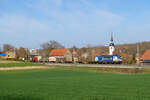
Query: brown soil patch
(25, 68)
(5, 61)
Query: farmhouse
(75, 56)
(34, 55)
(146, 57)
(60, 55)
(10, 54)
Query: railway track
(98, 65)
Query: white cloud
(59, 23)
(14, 23)
(76, 20)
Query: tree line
(22, 52)
(45, 48)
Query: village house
(10, 54)
(34, 55)
(60, 55)
(75, 56)
(146, 57)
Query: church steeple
(111, 41)
(111, 38)
(111, 46)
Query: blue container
(3, 54)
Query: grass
(108, 69)
(72, 84)
(20, 64)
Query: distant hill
(132, 48)
(127, 48)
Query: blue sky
(30, 23)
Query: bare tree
(48, 46)
(22, 52)
(0, 49)
(7, 47)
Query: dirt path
(25, 68)
(7, 61)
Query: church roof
(111, 38)
(111, 44)
(111, 41)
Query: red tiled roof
(75, 55)
(100, 53)
(126, 56)
(117, 52)
(58, 52)
(146, 55)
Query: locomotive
(108, 59)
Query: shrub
(14, 59)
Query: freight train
(108, 59)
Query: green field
(20, 64)
(71, 84)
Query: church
(111, 46)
